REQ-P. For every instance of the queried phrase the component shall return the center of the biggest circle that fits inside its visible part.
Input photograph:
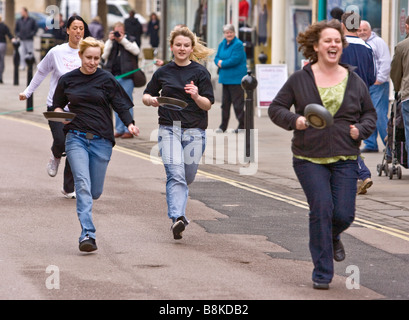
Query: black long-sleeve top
(90, 97)
(4, 31)
(169, 81)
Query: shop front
(205, 17)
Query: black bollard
(30, 61)
(262, 57)
(16, 61)
(249, 84)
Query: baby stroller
(395, 152)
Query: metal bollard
(249, 84)
(16, 61)
(30, 61)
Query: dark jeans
(58, 150)
(232, 93)
(364, 172)
(331, 193)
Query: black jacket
(4, 31)
(133, 28)
(356, 109)
(26, 28)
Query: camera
(117, 34)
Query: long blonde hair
(200, 51)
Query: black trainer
(88, 245)
(177, 228)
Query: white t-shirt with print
(58, 61)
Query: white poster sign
(270, 79)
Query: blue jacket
(360, 55)
(234, 61)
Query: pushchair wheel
(391, 173)
(399, 173)
(382, 168)
(386, 169)
(379, 170)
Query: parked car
(41, 18)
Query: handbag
(139, 79)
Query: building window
(370, 10)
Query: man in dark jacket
(359, 55)
(133, 27)
(26, 29)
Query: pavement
(385, 208)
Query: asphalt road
(240, 245)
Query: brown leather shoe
(364, 185)
(127, 135)
(117, 135)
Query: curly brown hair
(312, 35)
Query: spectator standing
(26, 29)
(153, 30)
(121, 56)
(90, 136)
(360, 55)
(133, 27)
(380, 89)
(4, 31)
(96, 28)
(231, 61)
(400, 78)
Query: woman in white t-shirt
(58, 61)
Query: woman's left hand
(354, 131)
(191, 89)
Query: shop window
(370, 10)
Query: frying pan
(59, 116)
(318, 116)
(172, 103)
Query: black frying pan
(172, 103)
(318, 116)
(59, 116)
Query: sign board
(270, 80)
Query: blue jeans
(405, 117)
(181, 151)
(128, 86)
(380, 99)
(331, 193)
(89, 161)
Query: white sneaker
(52, 166)
(70, 195)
